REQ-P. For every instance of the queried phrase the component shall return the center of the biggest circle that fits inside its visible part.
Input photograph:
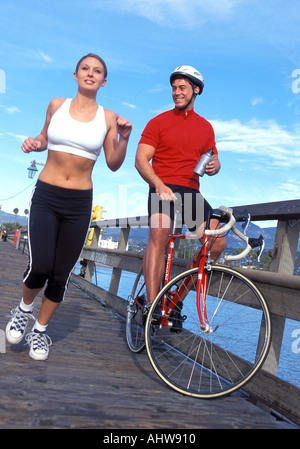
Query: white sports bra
(68, 135)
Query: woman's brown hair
(92, 55)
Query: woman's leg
(70, 240)
(29, 294)
(47, 310)
(72, 229)
(42, 233)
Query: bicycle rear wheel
(135, 334)
(222, 358)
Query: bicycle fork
(202, 284)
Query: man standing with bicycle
(174, 141)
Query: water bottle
(204, 160)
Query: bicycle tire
(135, 333)
(216, 362)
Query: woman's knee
(56, 289)
(35, 279)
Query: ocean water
(289, 363)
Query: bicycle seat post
(175, 221)
(177, 214)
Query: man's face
(182, 92)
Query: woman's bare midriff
(68, 171)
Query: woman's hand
(124, 127)
(31, 144)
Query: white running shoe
(39, 343)
(16, 327)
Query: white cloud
(158, 89)
(18, 137)
(257, 100)
(288, 190)
(12, 110)
(176, 12)
(128, 105)
(39, 55)
(163, 108)
(273, 143)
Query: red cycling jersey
(179, 139)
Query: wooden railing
(279, 286)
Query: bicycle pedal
(177, 322)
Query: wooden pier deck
(92, 380)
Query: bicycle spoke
(222, 357)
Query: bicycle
(208, 331)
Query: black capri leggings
(59, 219)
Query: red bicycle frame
(179, 294)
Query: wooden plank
(286, 240)
(281, 291)
(280, 210)
(264, 386)
(117, 272)
(92, 380)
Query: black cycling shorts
(191, 205)
(58, 223)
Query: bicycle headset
(194, 77)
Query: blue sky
(248, 53)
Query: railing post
(18, 239)
(283, 262)
(90, 268)
(116, 274)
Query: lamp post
(33, 169)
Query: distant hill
(5, 217)
(140, 235)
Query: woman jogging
(74, 132)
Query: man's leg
(154, 258)
(219, 244)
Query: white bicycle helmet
(189, 72)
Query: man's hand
(212, 168)
(165, 193)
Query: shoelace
(20, 319)
(39, 341)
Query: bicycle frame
(200, 261)
(205, 359)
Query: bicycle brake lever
(261, 250)
(246, 224)
(255, 242)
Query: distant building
(108, 243)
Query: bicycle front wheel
(221, 358)
(135, 334)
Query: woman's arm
(116, 141)
(40, 143)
